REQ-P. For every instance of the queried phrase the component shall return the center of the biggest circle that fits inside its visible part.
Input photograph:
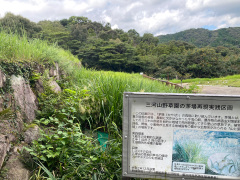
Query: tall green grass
(107, 89)
(20, 49)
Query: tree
(79, 32)
(150, 39)
(96, 26)
(204, 62)
(19, 24)
(109, 55)
(134, 36)
(78, 20)
(54, 31)
(64, 22)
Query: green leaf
(43, 158)
(88, 160)
(63, 142)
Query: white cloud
(159, 19)
(107, 19)
(18, 7)
(134, 5)
(194, 4)
(115, 26)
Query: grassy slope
(233, 81)
(20, 49)
(107, 87)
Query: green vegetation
(22, 49)
(90, 101)
(232, 81)
(194, 53)
(227, 37)
(18, 24)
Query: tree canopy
(19, 24)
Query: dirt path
(224, 90)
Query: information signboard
(176, 136)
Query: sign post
(181, 136)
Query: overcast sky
(145, 16)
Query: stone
(54, 86)
(2, 79)
(15, 169)
(31, 134)
(54, 71)
(24, 98)
(4, 148)
(1, 103)
(39, 69)
(5, 101)
(39, 86)
(11, 125)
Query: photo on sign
(206, 152)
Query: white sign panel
(179, 135)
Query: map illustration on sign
(218, 151)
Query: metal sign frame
(129, 98)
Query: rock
(54, 86)
(24, 98)
(4, 148)
(11, 125)
(5, 101)
(1, 103)
(54, 71)
(31, 134)
(2, 79)
(39, 86)
(15, 169)
(39, 68)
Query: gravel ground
(224, 90)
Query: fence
(177, 86)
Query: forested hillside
(183, 55)
(227, 37)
